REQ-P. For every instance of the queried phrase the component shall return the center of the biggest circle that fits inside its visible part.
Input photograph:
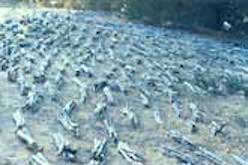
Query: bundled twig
(187, 152)
(99, 152)
(24, 135)
(65, 119)
(63, 148)
(128, 112)
(38, 159)
(129, 154)
(19, 119)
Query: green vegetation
(207, 14)
(190, 13)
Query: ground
(172, 80)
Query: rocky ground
(87, 88)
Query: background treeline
(209, 14)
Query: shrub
(208, 14)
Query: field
(118, 92)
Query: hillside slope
(119, 93)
